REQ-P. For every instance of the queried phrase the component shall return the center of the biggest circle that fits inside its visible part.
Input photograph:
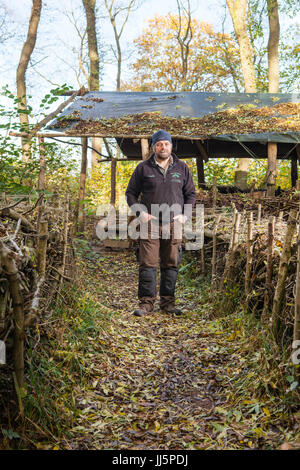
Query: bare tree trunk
(184, 39)
(273, 71)
(89, 6)
(114, 10)
(274, 32)
(237, 9)
(27, 50)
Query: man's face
(163, 149)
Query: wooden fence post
(282, 272)
(214, 194)
(213, 261)
(249, 252)
(8, 262)
(259, 214)
(82, 185)
(296, 334)
(269, 271)
(232, 248)
(42, 247)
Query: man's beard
(163, 155)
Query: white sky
(56, 37)
(55, 26)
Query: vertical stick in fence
(282, 272)
(41, 179)
(9, 264)
(259, 214)
(249, 252)
(213, 261)
(65, 239)
(42, 248)
(296, 335)
(235, 212)
(232, 248)
(267, 295)
(202, 257)
(214, 194)
(81, 196)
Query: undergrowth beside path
(100, 378)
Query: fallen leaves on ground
(162, 382)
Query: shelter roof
(235, 117)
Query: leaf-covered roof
(185, 114)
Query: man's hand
(181, 218)
(145, 217)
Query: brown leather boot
(146, 305)
(167, 305)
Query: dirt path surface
(163, 382)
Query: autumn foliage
(210, 61)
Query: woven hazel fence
(36, 255)
(259, 256)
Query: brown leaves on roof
(243, 119)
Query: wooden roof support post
(113, 181)
(145, 149)
(272, 168)
(97, 145)
(202, 150)
(113, 170)
(294, 169)
(81, 195)
(200, 171)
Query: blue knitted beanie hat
(161, 135)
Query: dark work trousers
(158, 242)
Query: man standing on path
(167, 195)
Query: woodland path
(164, 382)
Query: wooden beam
(145, 149)
(109, 136)
(201, 149)
(272, 168)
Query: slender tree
(114, 10)
(89, 6)
(273, 45)
(273, 74)
(237, 10)
(27, 50)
